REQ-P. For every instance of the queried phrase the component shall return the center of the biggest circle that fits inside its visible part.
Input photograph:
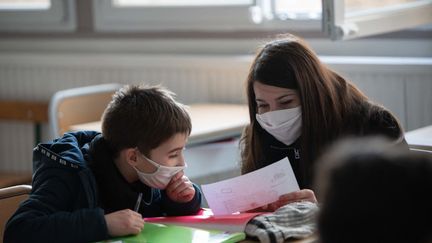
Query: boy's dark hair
(143, 117)
(371, 191)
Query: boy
(86, 184)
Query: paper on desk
(251, 190)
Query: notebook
(159, 233)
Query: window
(126, 15)
(144, 3)
(342, 19)
(206, 15)
(347, 19)
(25, 4)
(37, 15)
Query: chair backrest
(78, 105)
(10, 198)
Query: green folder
(160, 233)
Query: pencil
(138, 202)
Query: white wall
(198, 71)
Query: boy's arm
(52, 213)
(172, 208)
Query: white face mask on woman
(284, 125)
(161, 177)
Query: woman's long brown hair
(326, 98)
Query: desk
(14, 178)
(420, 138)
(210, 122)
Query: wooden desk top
(210, 122)
(420, 138)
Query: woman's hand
(302, 195)
(180, 189)
(124, 222)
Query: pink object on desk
(206, 220)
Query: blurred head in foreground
(372, 191)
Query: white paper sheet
(251, 190)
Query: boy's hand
(124, 222)
(180, 189)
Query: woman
(297, 107)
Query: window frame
(108, 18)
(59, 17)
(342, 27)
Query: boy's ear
(131, 156)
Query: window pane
(156, 3)
(367, 5)
(351, 19)
(294, 9)
(24, 4)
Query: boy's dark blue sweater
(75, 182)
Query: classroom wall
(403, 84)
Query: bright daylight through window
(342, 19)
(24, 4)
(37, 15)
(147, 3)
(356, 18)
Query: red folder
(206, 220)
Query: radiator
(36, 77)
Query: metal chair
(78, 105)
(10, 198)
